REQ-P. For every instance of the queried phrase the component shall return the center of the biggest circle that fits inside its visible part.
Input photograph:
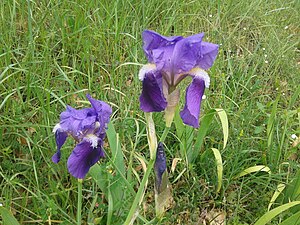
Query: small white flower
(210, 16)
(263, 49)
(1, 204)
(293, 136)
(267, 61)
(283, 94)
(266, 56)
(286, 27)
(245, 28)
(203, 97)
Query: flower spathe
(87, 126)
(171, 59)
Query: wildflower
(293, 136)
(87, 126)
(171, 59)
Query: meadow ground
(54, 52)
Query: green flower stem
(79, 201)
(164, 135)
(140, 194)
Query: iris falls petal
(194, 92)
(152, 98)
(60, 138)
(83, 157)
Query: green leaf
(219, 163)
(275, 212)
(224, 121)
(273, 153)
(8, 218)
(100, 177)
(115, 146)
(293, 189)
(205, 122)
(277, 192)
(254, 169)
(292, 220)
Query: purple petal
(83, 157)
(186, 53)
(162, 57)
(153, 40)
(209, 52)
(103, 111)
(75, 121)
(60, 138)
(160, 164)
(194, 92)
(152, 98)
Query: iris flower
(171, 59)
(87, 126)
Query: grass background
(54, 52)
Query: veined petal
(191, 112)
(152, 98)
(186, 53)
(83, 157)
(103, 112)
(60, 138)
(209, 52)
(153, 40)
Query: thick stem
(79, 201)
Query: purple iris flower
(87, 126)
(171, 59)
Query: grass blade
(8, 218)
(219, 163)
(275, 212)
(294, 219)
(277, 192)
(206, 121)
(254, 169)
(224, 121)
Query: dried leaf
(174, 164)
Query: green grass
(53, 53)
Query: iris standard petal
(71, 120)
(60, 138)
(152, 98)
(83, 157)
(186, 53)
(153, 40)
(190, 113)
(209, 52)
(162, 57)
(103, 112)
